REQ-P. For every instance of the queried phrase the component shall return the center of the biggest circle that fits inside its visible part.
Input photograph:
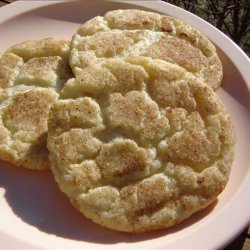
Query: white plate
(35, 214)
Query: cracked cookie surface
(31, 75)
(121, 33)
(141, 154)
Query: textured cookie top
(41, 63)
(139, 144)
(31, 75)
(139, 33)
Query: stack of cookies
(126, 117)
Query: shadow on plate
(35, 198)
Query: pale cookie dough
(139, 144)
(131, 32)
(32, 74)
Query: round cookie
(134, 32)
(139, 144)
(31, 75)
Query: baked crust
(141, 154)
(133, 32)
(31, 75)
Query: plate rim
(231, 49)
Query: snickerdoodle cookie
(134, 32)
(31, 75)
(139, 144)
